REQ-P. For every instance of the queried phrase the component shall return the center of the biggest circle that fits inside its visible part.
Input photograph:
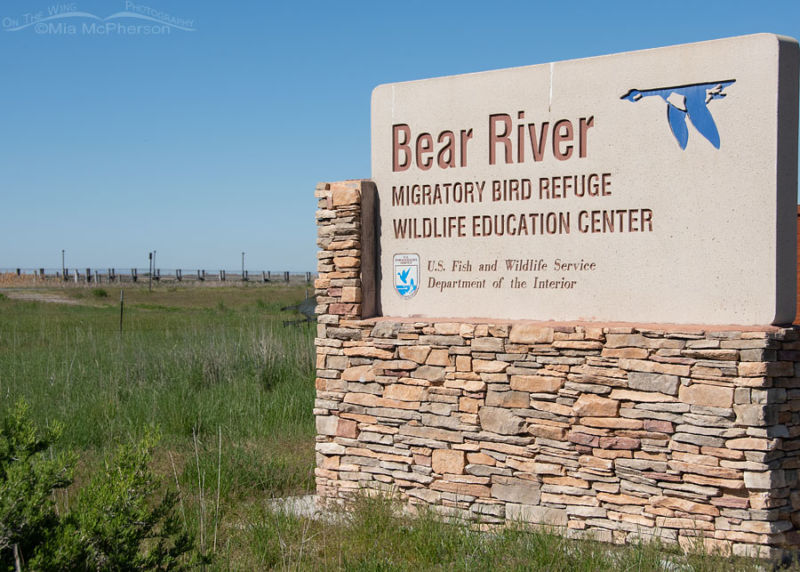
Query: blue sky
(203, 144)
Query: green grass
(230, 388)
(232, 391)
(188, 369)
(372, 534)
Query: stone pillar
(339, 229)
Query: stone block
(618, 423)
(368, 352)
(347, 428)
(755, 415)
(547, 432)
(460, 489)
(417, 354)
(351, 294)
(517, 491)
(536, 383)
(468, 404)
(327, 424)
(662, 383)
(501, 421)
(438, 357)
(481, 459)
(625, 341)
(640, 396)
(330, 449)
(488, 366)
(365, 399)
(625, 443)
(625, 353)
(347, 261)
(705, 394)
(536, 514)
(530, 334)
(448, 461)
(430, 373)
(403, 392)
(591, 405)
(554, 408)
(362, 373)
(336, 362)
(343, 197)
(658, 426)
(447, 328)
(463, 363)
(488, 345)
(765, 480)
(507, 399)
(385, 330)
(441, 340)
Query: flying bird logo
(688, 101)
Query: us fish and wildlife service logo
(406, 274)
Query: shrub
(114, 523)
(99, 293)
(27, 478)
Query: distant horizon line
(104, 269)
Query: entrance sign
(652, 186)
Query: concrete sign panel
(653, 186)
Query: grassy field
(229, 386)
(231, 390)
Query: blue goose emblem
(688, 101)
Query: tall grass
(186, 371)
(230, 388)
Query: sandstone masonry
(608, 431)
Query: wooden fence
(28, 276)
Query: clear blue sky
(203, 144)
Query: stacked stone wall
(613, 431)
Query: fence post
(77, 276)
(134, 277)
(308, 277)
(286, 276)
